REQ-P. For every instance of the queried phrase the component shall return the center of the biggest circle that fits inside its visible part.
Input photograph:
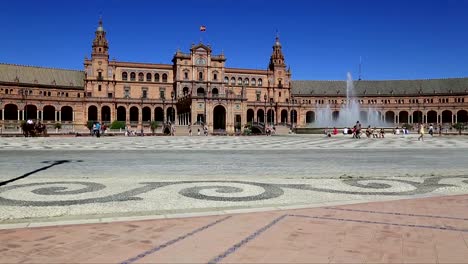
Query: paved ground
(67, 179)
(429, 230)
(128, 200)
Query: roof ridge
(40, 67)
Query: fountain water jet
(349, 112)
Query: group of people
(270, 130)
(356, 131)
(204, 128)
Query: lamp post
(172, 107)
(164, 110)
(271, 113)
(264, 120)
(24, 96)
(292, 114)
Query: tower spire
(100, 44)
(277, 57)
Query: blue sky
(322, 40)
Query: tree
(117, 125)
(154, 125)
(89, 125)
(459, 127)
(58, 126)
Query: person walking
(421, 132)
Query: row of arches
(133, 114)
(446, 116)
(245, 81)
(141, 77)
(270, 116)
(48, 112)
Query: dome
(100, 28)
(277, 43)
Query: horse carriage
(33, 129)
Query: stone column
(22, 114)
(152, 115)
(73, 116)
(3, 114)
(19, 115)
(37, 114)
(456, 120)
(56, 115)
(60, 116)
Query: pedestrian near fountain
(421, 132)
(431, 130)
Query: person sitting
(335, 131)
(368, 131)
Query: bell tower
(100, 45)
(277, 57)
(279, 77)
(99, 74)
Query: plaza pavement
(250, 199)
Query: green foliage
(154, 125)
(117, 125)
(247, 131)
(459, 127)
(58, 125)
(408, 126)
(90, 124)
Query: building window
(88, 94)
(226, 80)
(78, 95)
(144, 93)
(164, 77)
(126, 92)
(148, 77)
(99, 76)
(215, 76)
(99, 88)
(200, 76)
(239, 81)
(156, 77)
(260, 82)
(124, 76)
(132, 76)
(161, 94)
(280, 95)
(185, 75)
(258, 97)
(253, 81)
(233, 81)
(141, 77)
(246, 81)
(109, 95)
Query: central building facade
(196, 88)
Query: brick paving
(419, 230)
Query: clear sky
(322, 40)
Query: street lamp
(292, 114)
(271, 112)
(172, 107)
(264, 120)
(24, 96)
(164, 110)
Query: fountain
(349, 112)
